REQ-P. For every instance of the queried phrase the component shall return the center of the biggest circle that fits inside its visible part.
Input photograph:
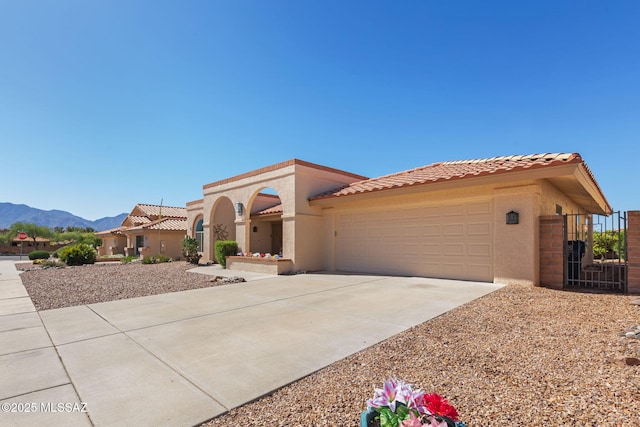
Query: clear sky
(109, 103)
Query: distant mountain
(11, 213)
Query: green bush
(225, 248)
(38, 255)
(78, 254)
(128, 259)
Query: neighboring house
(17, 246)
(446, 220)
(147, 231)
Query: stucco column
(242, 234)
(516, 257)
(308, 242)
(289, 238)
(207, 251)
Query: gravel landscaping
(65, 287)
(520, 356)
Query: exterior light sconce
(513, 217)
(255, 229)
(239, 208)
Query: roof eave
(580, 186)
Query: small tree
(190, 250)
(33, 231)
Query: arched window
(200, 235)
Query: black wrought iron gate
(595, 252)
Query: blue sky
(105, 104)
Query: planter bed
(260, 265)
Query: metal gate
(595, 252)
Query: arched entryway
(222, 223)
(199, 233)
(265, 227)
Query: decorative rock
(630, 335)
(632, 361)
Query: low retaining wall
(260, 265)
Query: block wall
(552, 251)
(633, 252)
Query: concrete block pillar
(552, 251)
(633, 252)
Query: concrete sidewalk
(180, 359)
(32, 377)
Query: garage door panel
(452, 210)
(431, 230)
(479, 229)
(479, 249)
(454, 249)
(454, 241)
(478, 271)
(453, 229)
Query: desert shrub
(225, 248)
(128, 259)
(190, 250)
(38, 255)
(155, 259)
(78, 254)
(51, 263)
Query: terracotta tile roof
(165, 211)
(272, 210)
(117, 230)
(165, 224)
(447, 171)
(137, 220)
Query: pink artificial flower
(412, 422)
(435, 423)
(391, 393)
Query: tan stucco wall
(112, 245)
(152, 242)
(261, 237)
(516, 254)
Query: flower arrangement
(397, 404)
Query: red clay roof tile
(272, 210)
(444, 171)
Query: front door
(139, 244)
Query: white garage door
(449, 241)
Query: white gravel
(521, 356)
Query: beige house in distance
(149, 230)
(470, 220)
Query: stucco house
(148, 230)
(471, 220)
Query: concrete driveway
(180, 359)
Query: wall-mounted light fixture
(513, 217)
(255, 229)
(239, 208)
